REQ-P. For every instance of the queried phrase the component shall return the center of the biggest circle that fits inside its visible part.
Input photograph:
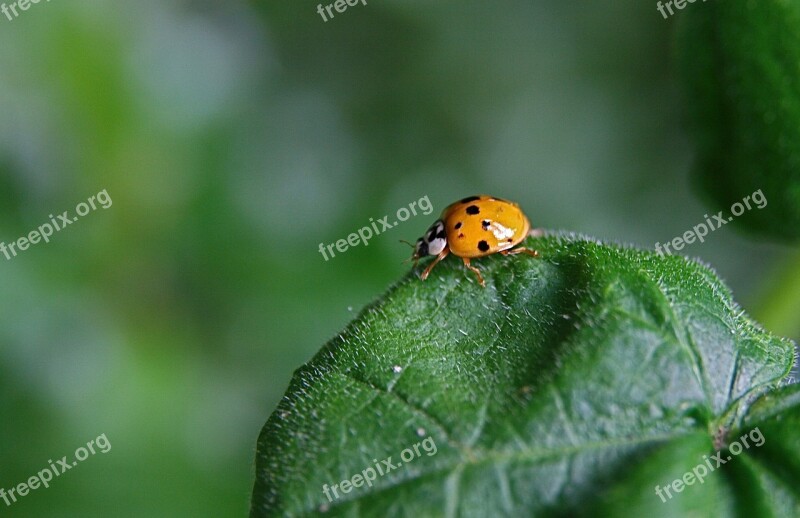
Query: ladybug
(476, 226)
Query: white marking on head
(436, 246)
(435, 238)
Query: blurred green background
(234, 138)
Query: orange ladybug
(476, 226)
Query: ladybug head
(432, 243)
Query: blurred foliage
(739, 62)
(541, 392)
(233, 139)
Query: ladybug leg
(521, 250)
(439, 257)
(477, 272)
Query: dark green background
(234, 138)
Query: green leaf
(572, 382)
(740, 63)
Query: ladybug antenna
(413, 256)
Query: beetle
(474, 227)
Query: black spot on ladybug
(458, 225)
(469, 199)
(473, 209)
(485, 224)
(483, 246)
(509, 240)
(461, 236)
